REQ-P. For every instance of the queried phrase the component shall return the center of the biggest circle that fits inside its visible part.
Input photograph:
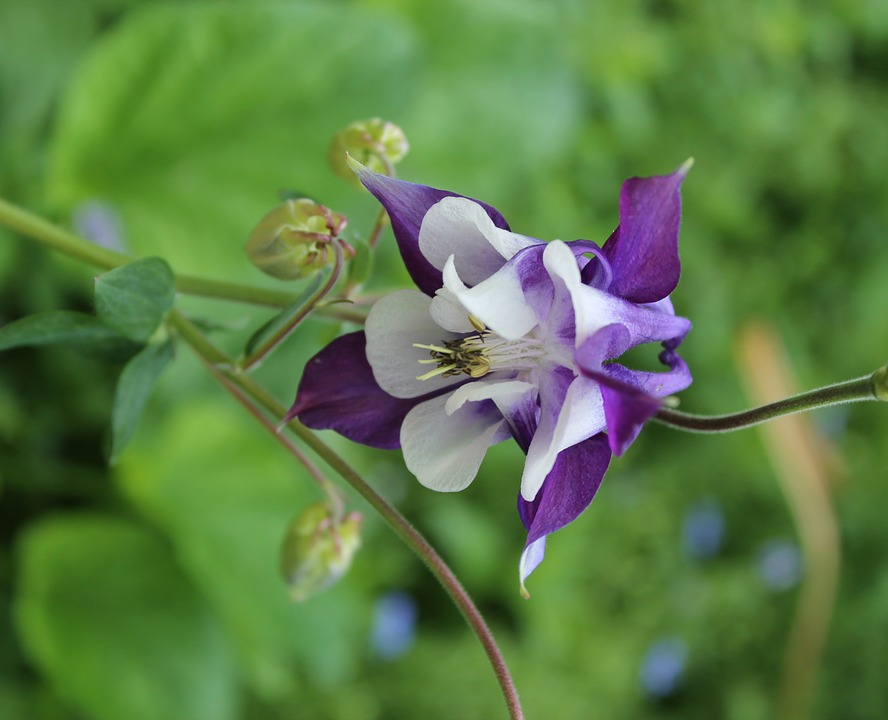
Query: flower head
(508, 336)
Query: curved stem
(262, 351)
(399, 524)
(68, 243)
(864, 388)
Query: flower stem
(226, 367)
(863, 388)
(68, 243)
(262, 351)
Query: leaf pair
(131, 303)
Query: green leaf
(110, 619)
(278, 321)
(136, 297)
(249, 95)
(133, 389)
(77, 331)
(226, 494)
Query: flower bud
(375, 143)
(295, 239)
(318, 549)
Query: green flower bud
(318, 549)
(378, 144)
(295, 239)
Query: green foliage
(78, 331)
(105, 612)
(133, 389)
(188, 118)
(136, 297)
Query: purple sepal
(338, 392)
(643, 250)
(407, 204)
(631, 398)
(566, 492)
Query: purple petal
(337, 392)
(566, 492)
(630, 398)
(643, 250)
(407, 204)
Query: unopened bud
(378, 144)
(295, 239)
(318, 549)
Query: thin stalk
(863, 388)
(378, 227)
(67, 243)
(212, 355)
(328, 488)
(283, 333)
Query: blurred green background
(150, 589)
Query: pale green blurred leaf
(189, 118)
(226, 493)
(105, 613)
(136, 297)
(133, 389)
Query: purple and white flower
(507, 336)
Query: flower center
(481, 353)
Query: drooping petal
(498, 302)
(643, 250)
(394, 324)
(445, 451)
(447, 312)
(644, 323)
(569, 488)
(504, 394)
(461, 228)
(338, 392)
(571, 410)
(628, 401)
(407, 204)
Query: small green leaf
(133, 389)
(361, 265)
(105, 612)
(77, 331)
(136, 297)
(267, 331)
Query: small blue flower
(663, 667)
(780, 565)
(508, 336)
(703, 529)
(394, 625)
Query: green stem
(864, 388)
(44, 232)
(399, 524)
(283, 333)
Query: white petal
(444, 451)
(449, 314)
(498, 302)
(396, 322)
(593, 309)
(504, 393)
(460, 227)
(581, 417)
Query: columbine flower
(508, 336)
